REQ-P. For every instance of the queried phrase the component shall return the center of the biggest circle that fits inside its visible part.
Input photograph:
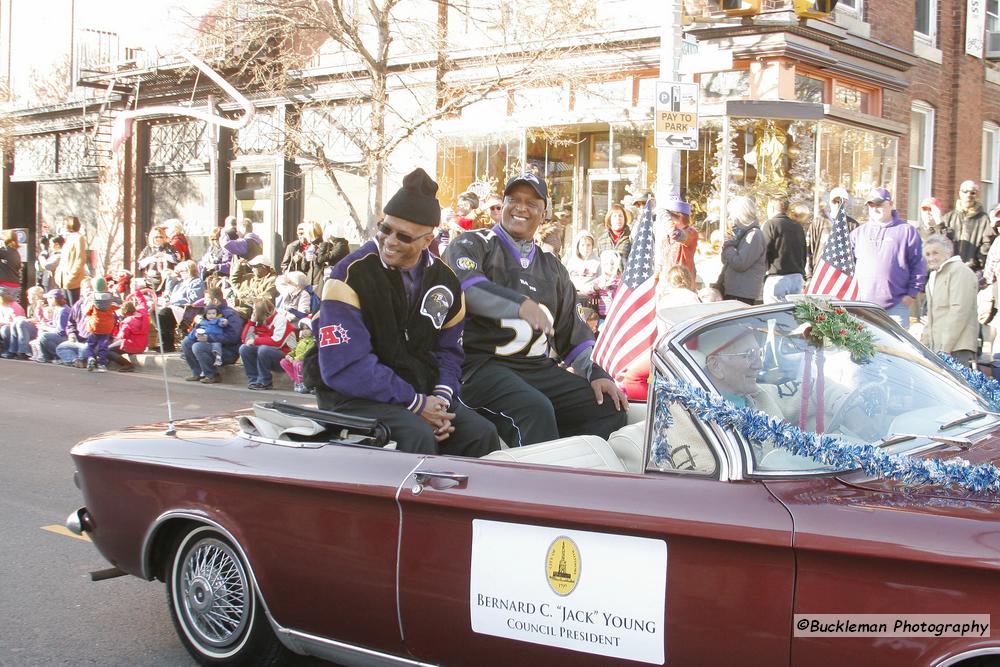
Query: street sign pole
(668, 160)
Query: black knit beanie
(415, 201)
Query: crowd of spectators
(939, 273)
(229, 304)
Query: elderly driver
(733, 360)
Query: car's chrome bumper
(79, 521)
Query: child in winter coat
(292, 363)
(132, 335)
(212, 326)
(100, 324)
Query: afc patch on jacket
(333, 334)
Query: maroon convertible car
(284, 531)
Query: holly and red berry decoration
(835, 324)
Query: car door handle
(439, 480)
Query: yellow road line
(62, 530)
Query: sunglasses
(970, 192)
(402, 237)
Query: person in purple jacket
(889, 264)
(389, 334)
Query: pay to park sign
(676, 115)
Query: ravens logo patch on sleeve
(436, 304)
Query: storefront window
(857, 160)
(701, 174)
(553, 156)
(487, 163)
(771, 157)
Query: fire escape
(97, 63)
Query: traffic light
(694, 11)
(814, 9)
(739, 7)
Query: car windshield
(765, 362)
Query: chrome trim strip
(973, 653)
(399, 545)
(339, 652)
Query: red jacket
(133, 331)
(265, 334)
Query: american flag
(630, 327)
(833, 274)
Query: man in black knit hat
(390, 329)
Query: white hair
(941, 241)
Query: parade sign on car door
(676, 112)
(590, 592)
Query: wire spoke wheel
(213, 602)
(213, 593)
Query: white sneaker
(91, 364)
(102, 369)
(218, 359)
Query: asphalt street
(52, 613)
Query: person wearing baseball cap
(681, 239)
(528, 360)
(253, 280)
(890, 269)
(389, 334)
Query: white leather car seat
(579, 451)
(627, 444)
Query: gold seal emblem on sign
(562, 566)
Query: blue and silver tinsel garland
(825, 449)
(987, 388)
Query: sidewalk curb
(232, 374)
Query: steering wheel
(871, 397)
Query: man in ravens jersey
(390, 330)
(521, 307)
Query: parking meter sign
(676, 115)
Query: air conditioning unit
(993, 45)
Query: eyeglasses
(970, 192)
(874, 204)
(748, 356)
(402, 237)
